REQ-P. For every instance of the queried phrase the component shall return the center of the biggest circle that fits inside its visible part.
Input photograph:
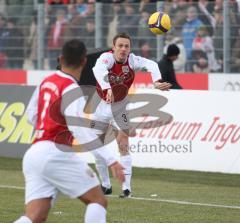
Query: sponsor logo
(232, 86)
(14, 127)
(125, 69)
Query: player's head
(173, 51)
(73, 54)
(121, 47)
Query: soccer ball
(159, 23)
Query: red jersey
(51, 124)
(119, 77)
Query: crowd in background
(197, 30)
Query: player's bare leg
(96, 205)
(36, 211)
(126, 161)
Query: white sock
(126, 162)
(103, 172)
(23, 219)
(95, 213)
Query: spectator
(32, 43)
(178, 11)
(22, 11)
(53, 2)
(114, 22)
(128, 22)
(14, 45)
(78, 7)
(235, 57)
(3, 35)
(2, 6)
(200, 62)
(218, 35)
(189, 32)
(201, 66)
(56, 37)
(147, 6)
(205, 9)
(52, 8)
(145, 49)
(89, 12)
(180, 62)
(89, 34)
(205, 43)
(143, 31)
(75, 28)
(166, 66)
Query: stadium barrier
(204, 134)
(189, 81)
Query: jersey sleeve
(141, 63)
(32, 108)
(80, 125)
(101, 69)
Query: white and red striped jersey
(119, 77)
(44, 110)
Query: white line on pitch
(180, 202)
(152, 199)
(11, 187)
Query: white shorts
(115, 114)
(48, 170)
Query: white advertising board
(224, 82)
(204, 134)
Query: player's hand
(117, 171)
(163, 86)
(109, 96)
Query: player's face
(121, 49)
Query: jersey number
(46, 99)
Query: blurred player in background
(51, 165)
(114, 72)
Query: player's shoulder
(58, 80)
(107, 55)
(106, 58)
(133, 59)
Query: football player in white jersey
(51, 165)
(114, 72)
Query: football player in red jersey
(114, 72)
(50, 165)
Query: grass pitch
(160, 196)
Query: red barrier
(191, 81)
(13, 76)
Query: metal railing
(208, 36)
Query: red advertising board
(13, 76)
(191, 81)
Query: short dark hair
(121, 35)
(74, 51)
(173, 50)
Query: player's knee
(104, 202)
(101, 200)
(39, 218)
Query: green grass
(196, 187)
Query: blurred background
(207, 32)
